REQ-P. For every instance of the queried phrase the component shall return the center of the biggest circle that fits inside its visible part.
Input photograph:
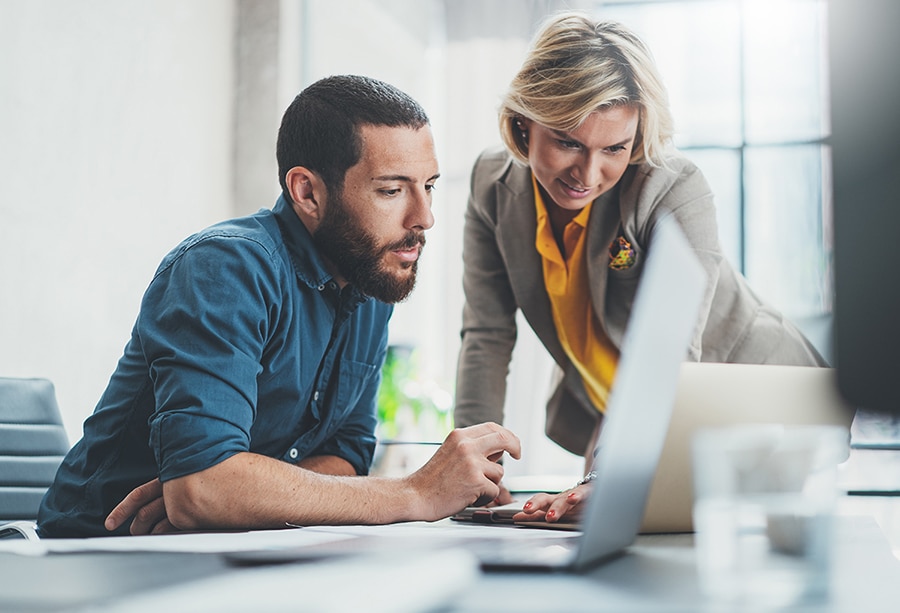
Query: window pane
(697, 48)
(785, 85)
(743, 73)
(722, 169)
(787, 260)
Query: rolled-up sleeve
(204, 326)
(354, 440)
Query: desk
(658, 573)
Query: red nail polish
(571, 495)
(551, 514)
(527, 505)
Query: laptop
(711, 395)
(663, 319)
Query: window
(747, 84)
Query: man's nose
(420, 216)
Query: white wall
(115, 118)
(456, 57)
(129, 124)
(400, 42)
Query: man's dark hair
(320, 128)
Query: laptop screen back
(663, 318)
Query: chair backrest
(33, 442)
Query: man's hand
(504, 497)
(147, 506)
(463, 470)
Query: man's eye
(390, 192)
(430, 187)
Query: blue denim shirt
(243, 343)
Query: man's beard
(358, 257)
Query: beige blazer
(503, 273)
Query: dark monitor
(864, 51)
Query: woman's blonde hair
(578, 65)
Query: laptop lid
(663, 318)
(712, 395)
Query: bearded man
(245, 398)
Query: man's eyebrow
(404, 178)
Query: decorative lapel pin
(621, 255)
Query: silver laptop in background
(662, 321)
(711, 395)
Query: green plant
(407, 405)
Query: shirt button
(316, 396)
(293, 453)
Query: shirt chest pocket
(331, 408)
(349, 385)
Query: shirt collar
(308, 262)
(309, 265)
(545, 242)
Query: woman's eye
(568, 144)
(616, 148)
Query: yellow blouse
(566, 280)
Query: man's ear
(307, 191)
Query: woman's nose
(588, 170)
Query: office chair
(33, 442)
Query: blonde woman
(558, 224)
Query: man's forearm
(145, 507)
(328, 465)
(251, 491)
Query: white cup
(764, 498)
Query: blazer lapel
(516, 233)
(603, 227)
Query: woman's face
(576, 167)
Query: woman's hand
(553, 507)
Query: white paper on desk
(446, 528)
(206, 542)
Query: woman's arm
(488, 332)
